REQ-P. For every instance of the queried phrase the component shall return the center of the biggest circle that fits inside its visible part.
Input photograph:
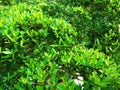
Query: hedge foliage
(44, 43)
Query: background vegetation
(44, 43)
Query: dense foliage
(44, 43)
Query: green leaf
(39, 88)
(18, 87)
(100, 62)
(0, 50)
(24, 80)
(61, 87)
(6, 52)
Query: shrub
(96, 22)
(25, 32)
(41, 49)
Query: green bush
(25, 32)
(43, 46)
(97, 22)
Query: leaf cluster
(47, 44)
